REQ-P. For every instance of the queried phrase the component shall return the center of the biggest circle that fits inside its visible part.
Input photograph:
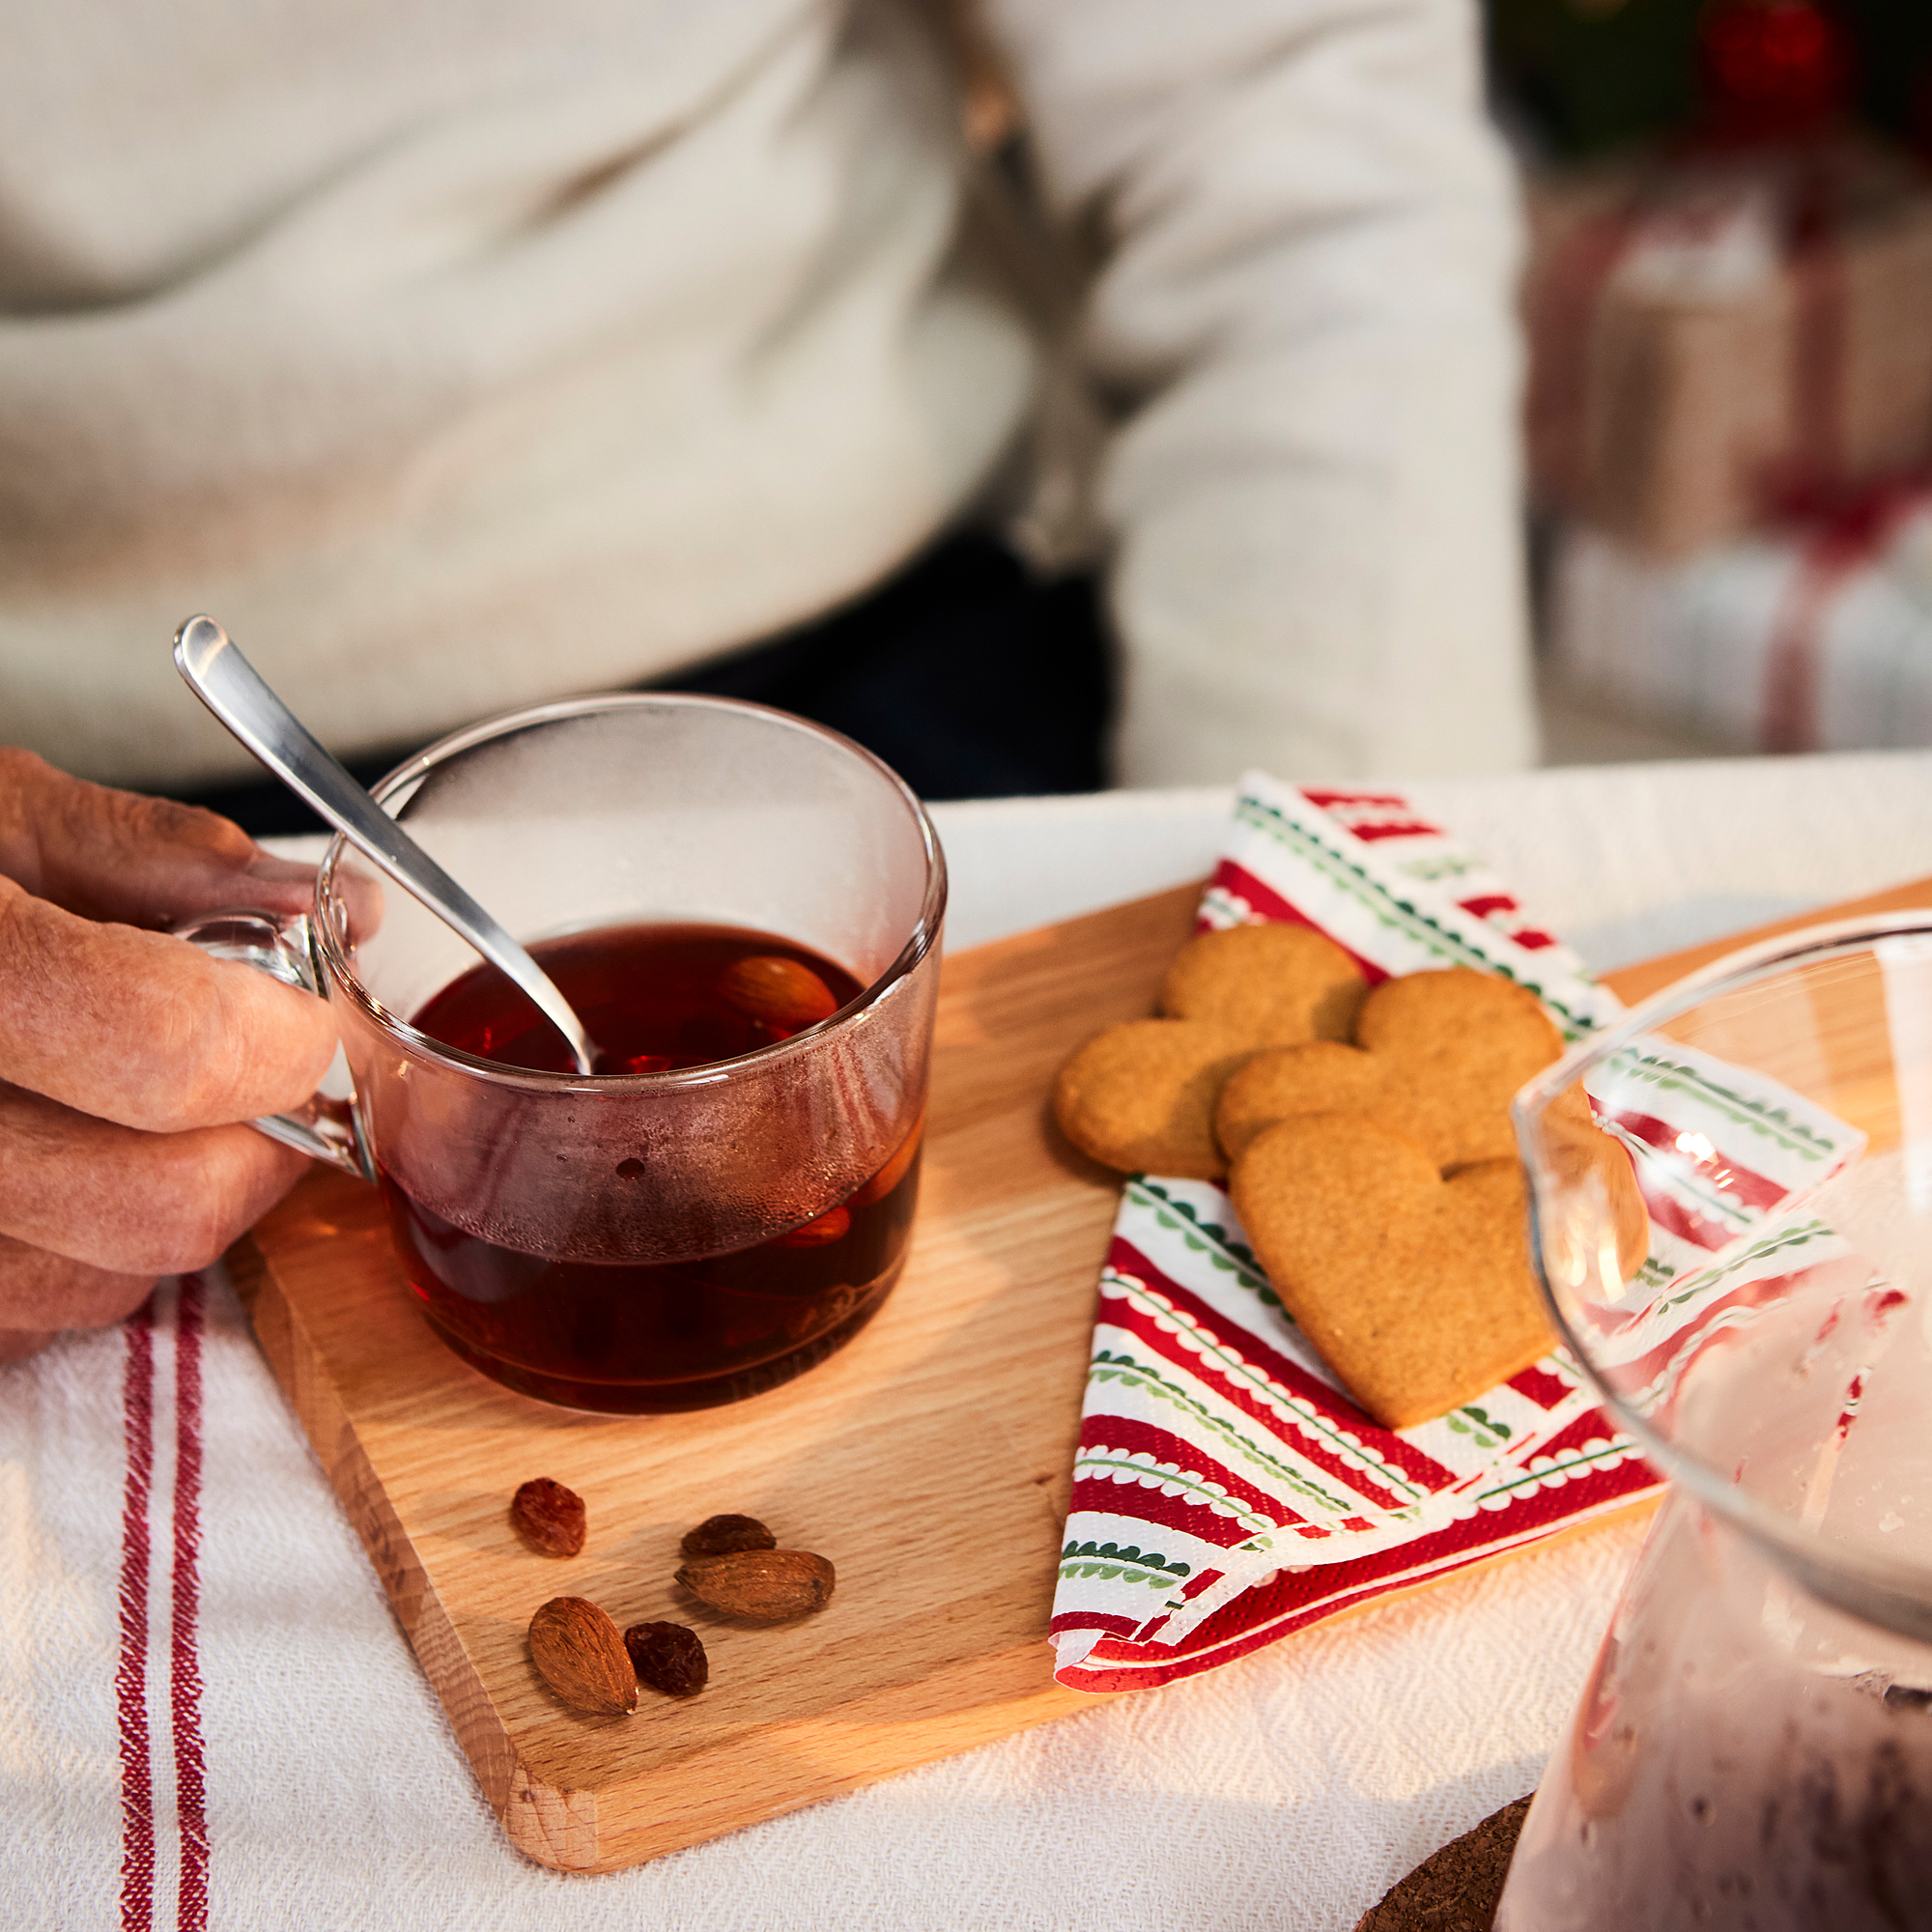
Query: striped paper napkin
(1226, 1490)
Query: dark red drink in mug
(728, 1199)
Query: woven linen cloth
(208, 1717)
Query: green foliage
(1589, 74)
(1586, 75)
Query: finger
(145, 1030)
(16, 1344)
(128, 1202)
(107, 854)
(42, 1292)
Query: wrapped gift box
(1704, 332)
(1816, 640)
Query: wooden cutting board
(931, 1461)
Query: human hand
(127, 1057)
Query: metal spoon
(234, 690)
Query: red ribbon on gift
(1841, 527)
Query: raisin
(667, 1658)
(719, 1535)
(549, 1516)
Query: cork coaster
(1456, 1891)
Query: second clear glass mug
(1753, 1748)
(618, 1243)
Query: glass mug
(1753, 1748)
(634, 1242)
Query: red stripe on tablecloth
(1285, 1374)
(184, 1660)
(130, 1675)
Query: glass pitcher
(1753, 1748)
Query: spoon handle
(231, 686)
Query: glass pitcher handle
(325, 1127)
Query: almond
(579, 1654)
(831, 1226)
(763, 1586)
(778, 991)
(894, 1172)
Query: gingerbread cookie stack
(1368, 1148)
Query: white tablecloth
(1287, 1791)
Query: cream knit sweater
(454, 356)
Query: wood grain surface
(931, 1461)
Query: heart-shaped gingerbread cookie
(1142, 1095)
(1415, 1286)
(1437, 1057)
(1279, 985)
(1416, 1290)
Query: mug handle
(323, 1127)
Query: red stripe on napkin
(1242, 884)
(1752, 1190)
(1684, 1342)
(1101, 1496)
(1329, 800)
(1287, 1374)
(184, 1660)
(1670, 1214)
(1120, 1627)
(1125, 1258)
(1580, 1433)
(1410, 829)
(1367, 815)
(130, 1675)
(1142, 1439)
(1296, 1599)
(1540, 1387)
